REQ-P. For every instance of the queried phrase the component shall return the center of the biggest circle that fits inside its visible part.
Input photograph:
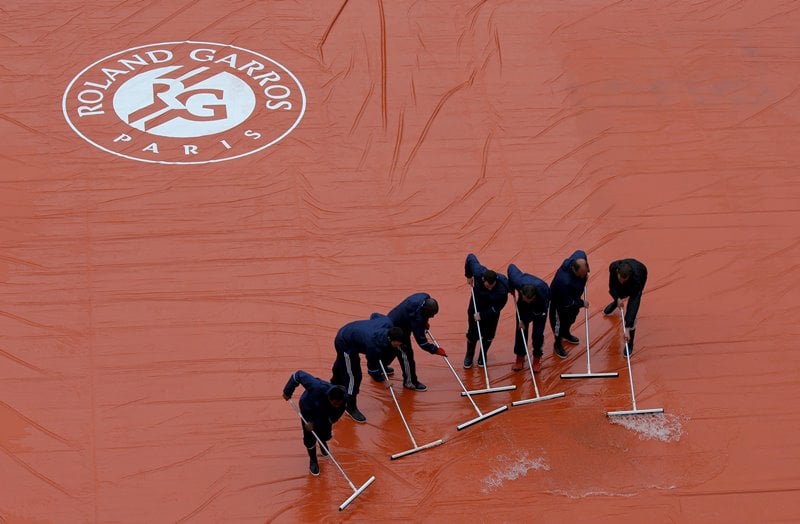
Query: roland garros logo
(184, 103)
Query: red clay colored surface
(150, 314)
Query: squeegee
(481, 416)
(408, 429)
(356, 491)
(589, 373)
(633, 411)
(530, 366)
(488, 388)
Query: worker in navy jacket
(491, 294)
(533, 302)
(412, 315)
(566, 295)
(375, 338)
(626, 279)
(321, 404)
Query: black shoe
(323, 450)
(480, 360)
(416, 386)
(377, 376)
(389, 370)
(559, 350)
(351, 408)
(355, 414)
(468, 361)
(571, 339)
(627, 351)
(313, 467)
(610, 309)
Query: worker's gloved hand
(440, 351)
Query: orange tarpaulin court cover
(197, 195)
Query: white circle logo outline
(92, 142)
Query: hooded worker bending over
(533, 301)
(412, 315)
(321, 404)
(491, 294)
(375, 338)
